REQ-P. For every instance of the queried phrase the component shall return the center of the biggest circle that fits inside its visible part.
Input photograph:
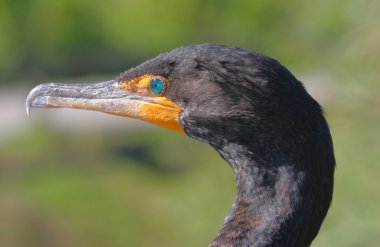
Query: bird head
(206, 91)
(251, 109)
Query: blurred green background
(70, 178)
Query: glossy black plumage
(252, 111)
(261, 120)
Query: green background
(138, 185)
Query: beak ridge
(51, 95)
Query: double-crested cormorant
(252, 111)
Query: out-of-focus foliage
(144, 189)
(154, 187)
(41, 38)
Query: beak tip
(27, 108)
(33, 99)
(28, 105)
(29, 101)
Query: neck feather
(278, 202)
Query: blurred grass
(153, 187)
(354, 218)
(98, 190)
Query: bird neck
(269, 209)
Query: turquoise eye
(156, 85)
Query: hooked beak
(108, 97)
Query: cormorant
(252, 111)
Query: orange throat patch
(163, 113)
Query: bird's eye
(156, 85)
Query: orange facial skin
(161, 111)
